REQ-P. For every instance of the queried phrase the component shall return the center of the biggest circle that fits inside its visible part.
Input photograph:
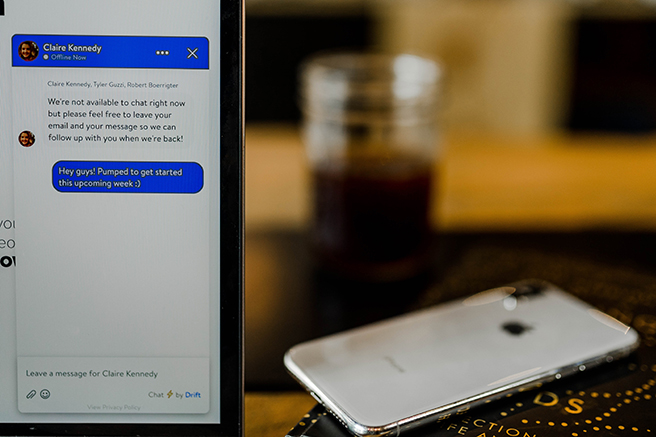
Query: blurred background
(547, 162)
(548, 109)
(547, 132)
(513, 65)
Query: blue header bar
(82, 51)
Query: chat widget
(113, 147)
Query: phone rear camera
(528, 290)
(516, 328)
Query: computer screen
(110, 212)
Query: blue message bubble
(127, 177)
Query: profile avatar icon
(28, 50)
(26, 138)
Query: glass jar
(370, 133)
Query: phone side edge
(357, 428)
(525, 384)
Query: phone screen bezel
(232, 262)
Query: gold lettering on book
(574, 406)
(546, 398)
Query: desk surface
(488, 185)
(272, 414)
(486, 182)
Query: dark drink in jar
(370, 134)
(371, 217)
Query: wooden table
(486, 183)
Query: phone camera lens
(528, 290)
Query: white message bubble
(110, 121)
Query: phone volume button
(314, 395)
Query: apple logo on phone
(516, 328)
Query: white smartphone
(388, 377)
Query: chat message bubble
(127, 177)
(130, 121)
